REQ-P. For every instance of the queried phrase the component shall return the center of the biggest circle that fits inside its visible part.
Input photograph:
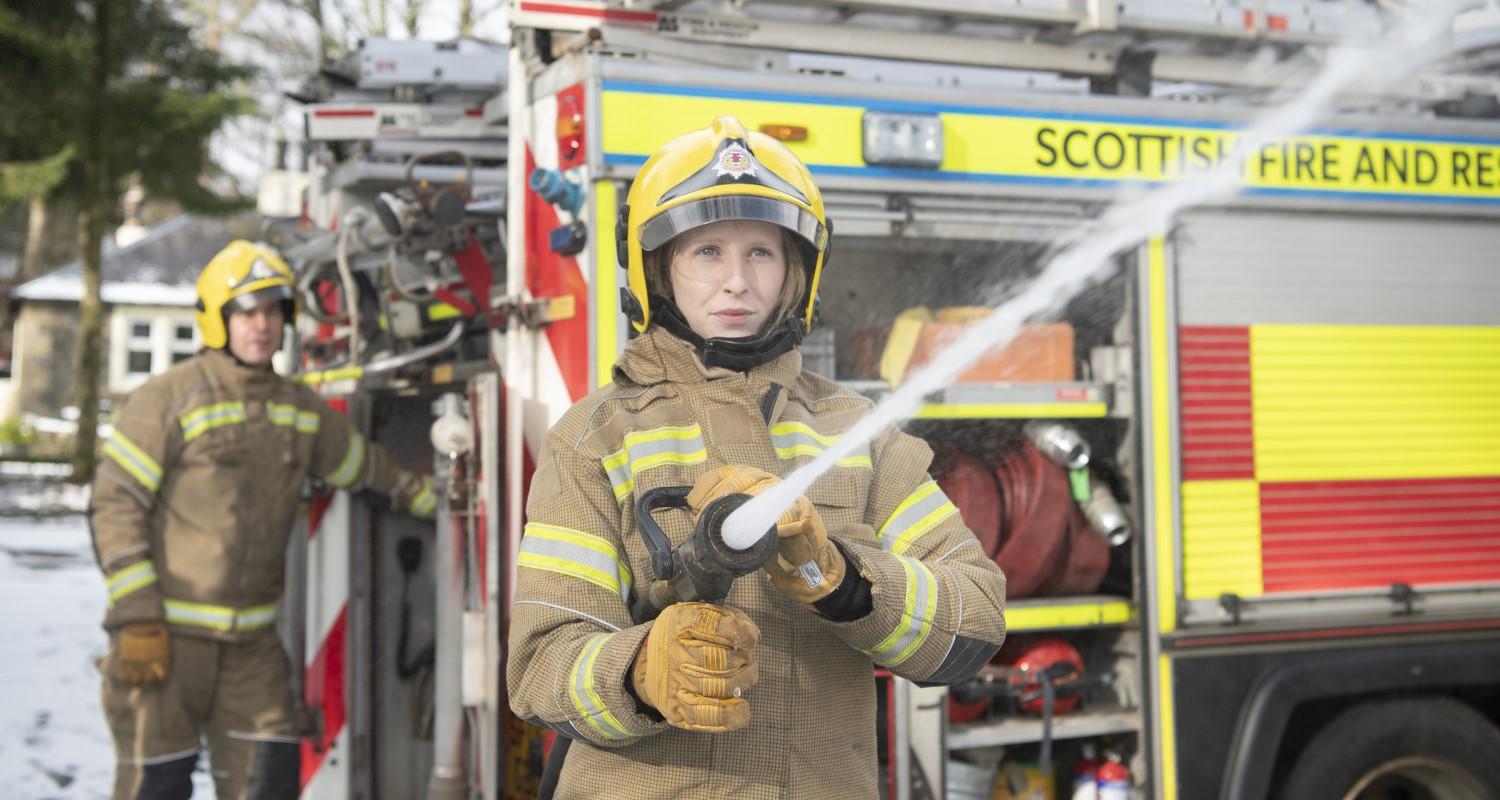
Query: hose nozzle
(704, 566)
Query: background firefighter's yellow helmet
(242, 275)
(718, 173)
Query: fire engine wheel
(1410, 749)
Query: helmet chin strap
(739, 354)
(241, 362)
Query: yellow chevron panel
(1221, 539)
(833, 132)
(1366, 402)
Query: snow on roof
(158, 270)
(67, 285)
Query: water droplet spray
(1419, 37)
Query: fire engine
(1246, 486)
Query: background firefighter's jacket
(198, 489)
(936, 598)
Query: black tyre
(1431, 748)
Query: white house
(148, 295)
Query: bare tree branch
(466, 17)
(411, 16)
(376, 14)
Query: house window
(138, 349)
(184, 342)
(145, 341)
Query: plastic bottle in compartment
(1113, 778)
(1085, 777)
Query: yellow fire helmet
(722, 172)
(242, 276)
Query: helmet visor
(249, 301)
(677, 220)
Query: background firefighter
(191, 510)
(724, 246)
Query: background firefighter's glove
(807, 567)
(696, 666)
(143, 654)
(418, 495)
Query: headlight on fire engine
(903, 140)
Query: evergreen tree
(117, 90)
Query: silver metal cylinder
(1105, 514)
(1060, 443)
(448, 781)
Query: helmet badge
(259, 271)
(735, 161)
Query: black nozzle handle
(701, 568)
(657, 543)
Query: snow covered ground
(53, 741)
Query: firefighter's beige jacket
(938, 601)
(198, 488)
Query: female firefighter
(769, 695)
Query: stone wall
(45, 359)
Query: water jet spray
(1123, 225)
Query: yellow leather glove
(696, 666)
(143, 654)
(419, 496)
(807, 567)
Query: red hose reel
(1023, 514)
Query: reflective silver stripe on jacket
(136, 576)
(586, 698)
(198, 421)
(917, 613)
(565, 551)
(289, 416)
(219, 618)
(920, 512)
(133, 460)
(796, 439)
(354, 462)
(681, 445)
(424, 503)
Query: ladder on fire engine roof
(1121, 46)
(391, 101)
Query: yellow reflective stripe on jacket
(196, 422)
(792, 439)
(919, 513)
(618, 468)
(136, 576)
(219, 618)
(289, 416)
(133, 460)
(643, 450)
(354, 461)
(586, 699)
(565, 551)
(255, 617)
(916, 616)
(425, 502)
